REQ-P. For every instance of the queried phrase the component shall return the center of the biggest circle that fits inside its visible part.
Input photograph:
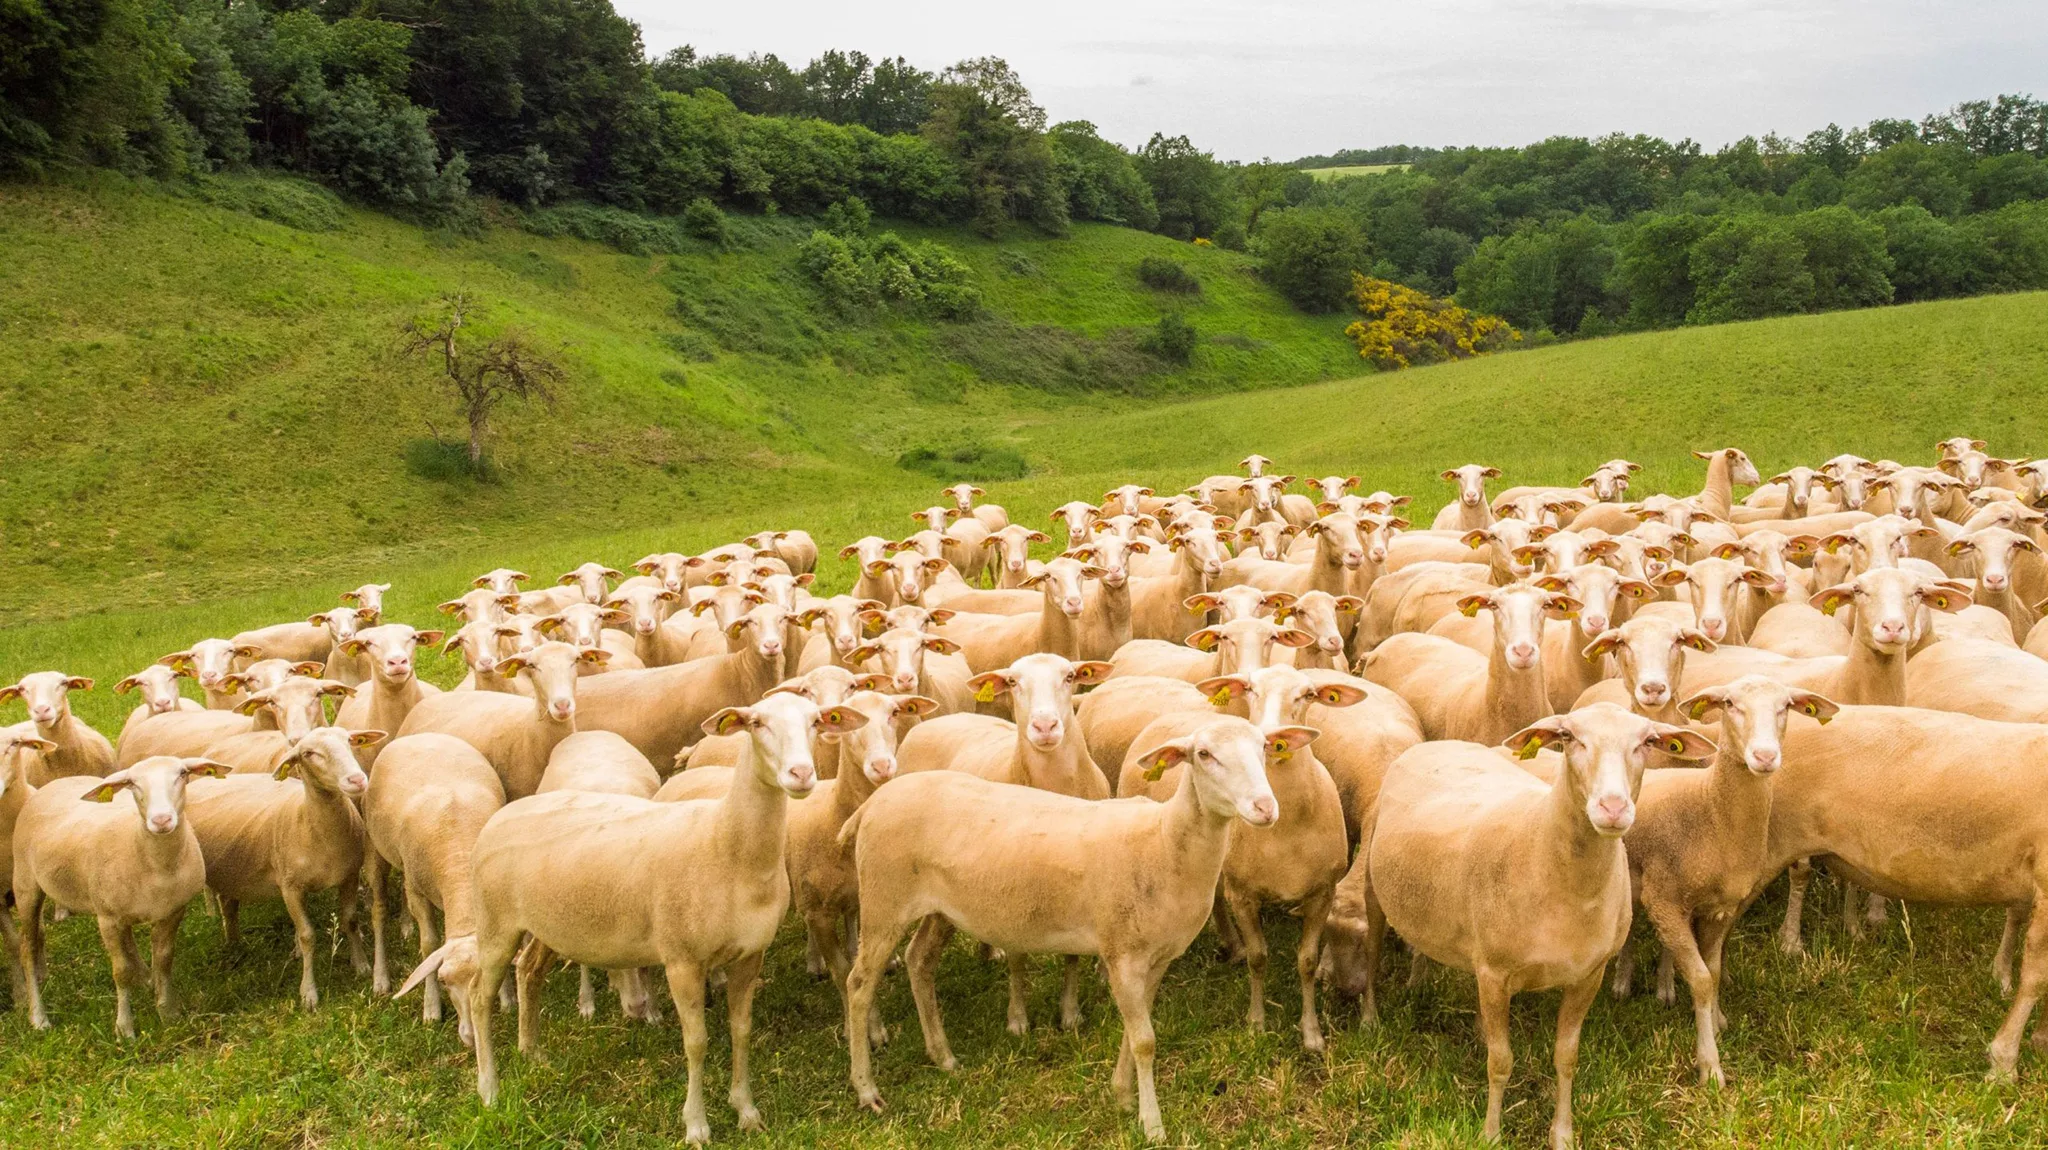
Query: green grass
(1339, 173)
(120, 451)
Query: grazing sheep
(93, 858)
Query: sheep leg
(824, 925)
(1020, 985)
(1682, 948)
(1369, 949)
(422, 913)
(1851, 921)
(163, 948)
(1315, 915)
(1789, 934)
(1713, 940)
(28, 905)
(1624, 972)
(380, 911)
(120, 944)
(1133, 981)
(530, 968)
(1667, 984)
(12, 941)
(586, 994)
(2001, 963)
(2005, 1047)
(1874, 911)
(493, 956)
(1070, 995)
(1500, 1056)
(877, 947)
(1418, 968)
(1242, 909)
(686, 986)
(923, 966)
(742, 976)
(351, 923)
(1571, 1019)
(1229, 946)
(302, 931)
(231, 922)
(814, 952)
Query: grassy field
(1339, 173)
(1874, 1043)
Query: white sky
(1285, 78)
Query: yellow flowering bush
(1403, 327)
(1203, 242)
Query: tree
(1749, 267)
(482, 376)
(1188, 185)
(1845, 254)
(1656, 269)
(1102, 182)
(1310, 254)
(982, 116)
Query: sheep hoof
(750, 1120)
(697, 1133)
(1312, 1041)
(871, 1101)
(309, 999)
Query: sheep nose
(1616, 812)
(562, 708)
(1652, 692)
(1016, 565)
(802, 777)
(1471, 500)
(1764, 758)
(161, 822)
(43, 714)
(771, 646)
(1352, 559)
(845, 642)
(1331, 643)
(906, 683)
(1523, 650)
(882, 767)
(1594, 623)
(355, 783)
(1994, 581)
(1715, 628)
(643, 626)
(1265, 810)
(1072, 605)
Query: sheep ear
(939, 646)
(250, 705)
(1669, 578)
(841, 720)
(595, 656)
(1340, 695)
(1533, 738)
(206, 769)
(1223, 688)
(1696, 708)
(430, 965)
(1817, 707)
(1165, 755)
(1832, 599)
(352, 647)
(112, 784)
(1469, 606)
(1697, 640)
(729, 721)
(366, 738)
(871, 682)
(126, 685)
(1602, 643)
(427, 638)
(1727, 551)
(1682, 742)
(917, 705)
(1553, 584)
(284, 769)
(1204, 639)
(1282, 742)
(1295, 637)
(342, 689)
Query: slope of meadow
(122, 445)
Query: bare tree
(510, 366)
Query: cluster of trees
(1578, 236)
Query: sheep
(1112, 715)
(2011, 574)
(1458, 693)
(1295, 861)
(1503, 539)
(795, 548)
(79, 750)
(603, 763)
(673, 570)
(1976, 677)
(1156, 601)
(825, 686)
(1012, 548)
(341, 624)
(1480, 865)
(1106, 606)
(625, 882)
(1346, 561)
(593, 581)
(159, 686)
(282, 715)
(516, 734)
(19, 747)
(1697, 850)
(310, 641)
(1723, 592)
(1078, 516)
(647, 605)
(395, 689)
(905, 574)
(210, 662)
(1130, 498)
(1041, 747)
(1413, 599)
(1228, 604)
(288, 837)
(1604, 597)
(1325, 617)
(1649, 656)
(1917, 804)
(1269, 540)
(992, 516)
(90, 857)
(1132, 882)
(821, 876)
(913, 661)
(480, 605)
(478, 643)
(590, 625)
(428, 799)
(369, 597)
(1470, 511)
(662, 709)
(839, 626)
(992, 641)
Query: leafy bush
(1173, 339)
(849, 217)
(856, 272)
(629, 232)
(292, 202)
(1162, 274)
(703, 220)
(1019, 264)
(442, 461)
(1403, 327)
(974, 461)
(1310, 255)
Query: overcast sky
(1285, 78)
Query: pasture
(1348, 170)
(1877, 1041)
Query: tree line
(422, 105)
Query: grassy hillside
(1339, 173)
(203, 399)
(121, 445)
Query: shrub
(855, 272)
(1310, 254)
(849, 217)
(703, 220)
(1019, 264)
(974, 461)
(1173, 339)
(1162, 274)
(1403, 327)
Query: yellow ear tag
(987, 693)
(1530, 748)
(1157, 769)
(1279, 752)
(1675, 746)
(1221, 698)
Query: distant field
(1354, 170)
(1873, 1043)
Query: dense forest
(426, 106)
